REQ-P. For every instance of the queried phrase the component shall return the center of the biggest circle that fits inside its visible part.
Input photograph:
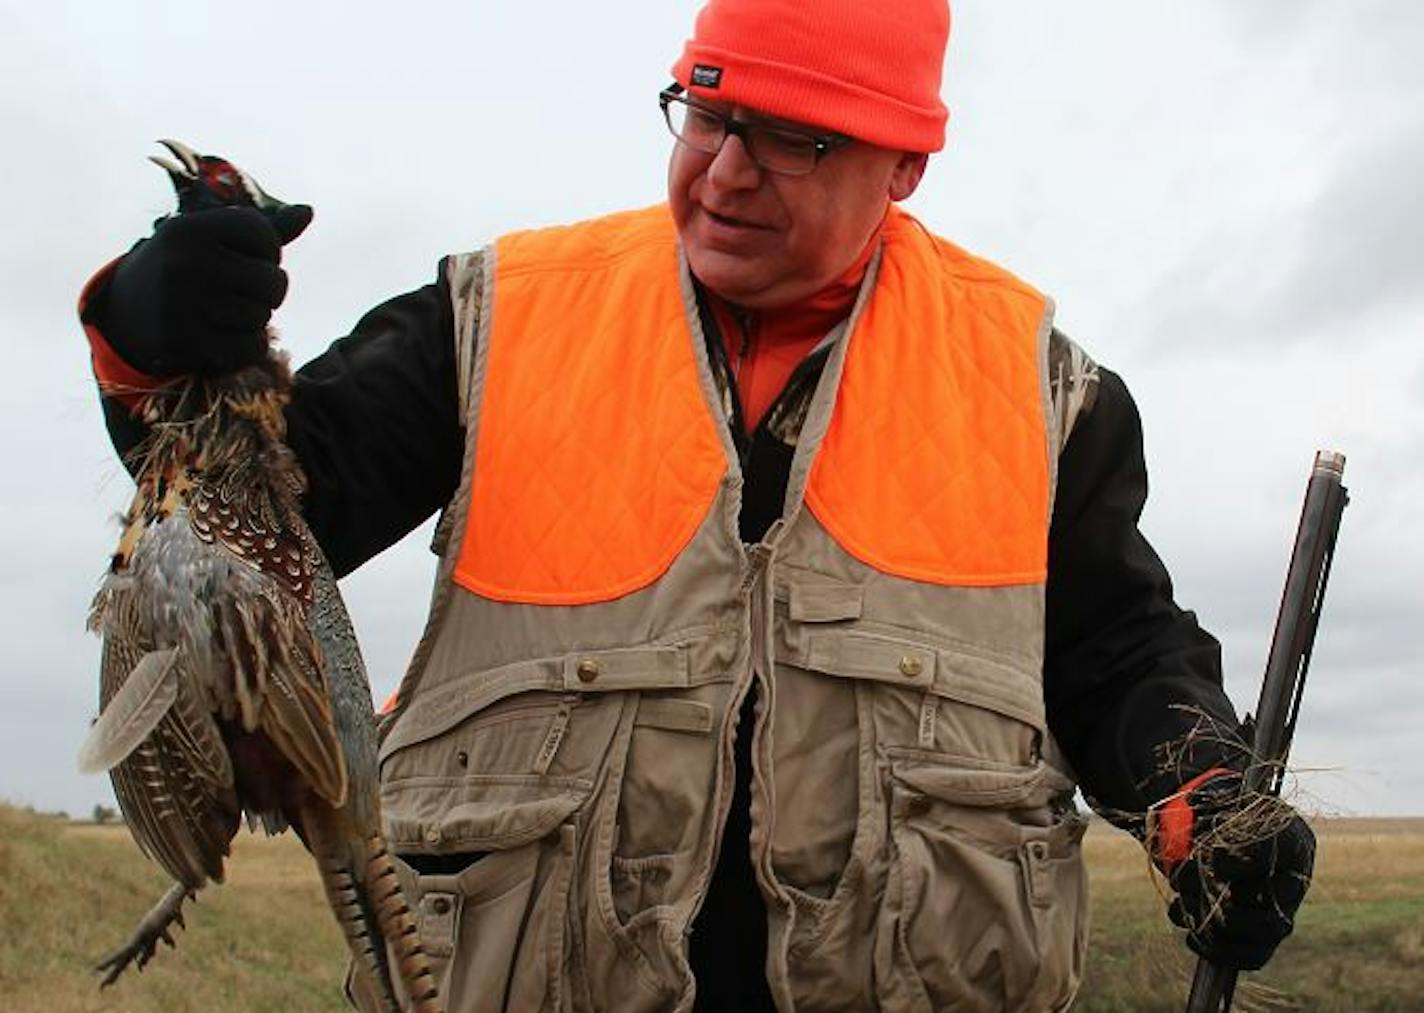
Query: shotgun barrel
(1284, 682)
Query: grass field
(263, 942)
(1358, 945)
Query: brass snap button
(587, 670)
(911, 666)
(462, 758)
(1039, 850)
(440, 905)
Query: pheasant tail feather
(398, 926)
(364, 892)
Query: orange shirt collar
(764, 347)
(816, 314)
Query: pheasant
(231, 681)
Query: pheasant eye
(221, 179)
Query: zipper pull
(757, 557)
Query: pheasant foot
(144, 942)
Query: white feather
(135, 710)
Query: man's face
(762, 240)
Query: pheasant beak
(184, 173)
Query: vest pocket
(828, 839)
(985, 908)
(493, 812)
(969, 892)
(662, 804)
(495, 931)
(643, 836)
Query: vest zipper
(763, 661)
(757, 556)
(746, 321)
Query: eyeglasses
(783, 150)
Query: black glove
(196, 296)
(1246, 873)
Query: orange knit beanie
(867, 68)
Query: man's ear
(908, 172)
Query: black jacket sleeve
(374, 421)
(1128, 675)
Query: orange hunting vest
(597, 624)
(598, 457)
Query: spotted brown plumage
(231, 684)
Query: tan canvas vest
(575, 718)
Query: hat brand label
(704, 76)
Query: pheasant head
(209, 181)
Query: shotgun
(1284, 682)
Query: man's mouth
(730, 221)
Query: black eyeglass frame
(822, 144)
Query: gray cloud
(1322, 219)
(1362, 45)
(1296, 273)
(1363, 244)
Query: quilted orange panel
(597, 457)
(935, 466)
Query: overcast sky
(1223, 197)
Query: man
(790, 569)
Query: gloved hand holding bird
(231, 682)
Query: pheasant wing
(276, 679)
(175, 788)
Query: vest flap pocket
(674, 715)
(944, 700)
(992, 685)
(823, 602)
(434, 815)
(632, 668)
(434, 712)
(965, 780)
(867, 656)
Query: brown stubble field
(263, 942)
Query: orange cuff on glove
(1170, 823)
(116, 378)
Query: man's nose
(732, 168)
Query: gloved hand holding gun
(1239, 862)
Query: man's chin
(732, 276)
(752, 281)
